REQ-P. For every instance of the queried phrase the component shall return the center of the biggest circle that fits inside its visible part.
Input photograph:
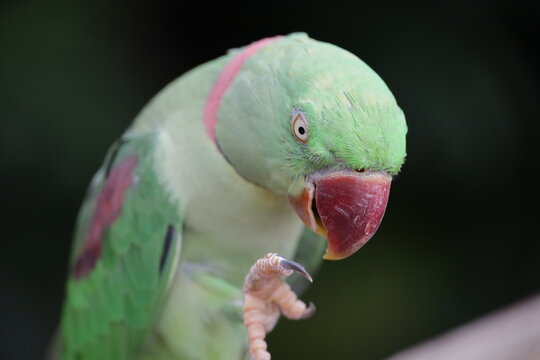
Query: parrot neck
(224, 80)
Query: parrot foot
(266, 296)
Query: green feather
(354, 120)
(118, 299)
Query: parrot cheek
(346, 207)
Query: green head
(351, 118)
(311, 121)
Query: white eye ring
(300, 127)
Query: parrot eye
(300, 127)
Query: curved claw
(296, 267)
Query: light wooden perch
(509, 334)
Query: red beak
(346, 207)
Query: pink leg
(266, 295)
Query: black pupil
(301, 130)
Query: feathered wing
(126, 246)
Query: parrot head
(310, 121)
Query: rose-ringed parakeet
(176, 247)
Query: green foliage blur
(460, 235)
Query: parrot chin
(346, 207)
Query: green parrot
(286, 146)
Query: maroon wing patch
(108, 207)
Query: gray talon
(294, 266)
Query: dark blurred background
(460, 235)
